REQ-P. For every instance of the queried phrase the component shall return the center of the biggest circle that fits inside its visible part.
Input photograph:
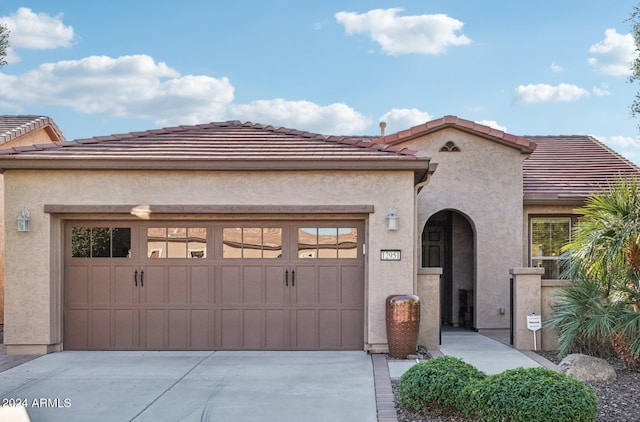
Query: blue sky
(528, 68)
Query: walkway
(489, 355)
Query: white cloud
(555, 68)
(139, 87)
(493, 124)
(615, 54)
(403, 118)
(419, 34)
(543, 93)
(601, 91)
(37, 31)
(335, 119)
(622, 141)
(131, 86)
(12, 56)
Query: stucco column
(429, 293)
(527, 300)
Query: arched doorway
(448, 242)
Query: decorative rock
(587, 368)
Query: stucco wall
(39, 136)
(484, 183)
(33, 263)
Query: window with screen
(548, 236)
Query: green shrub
(437, 385)
(531, 394)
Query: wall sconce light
(24, 220)
(393, 221)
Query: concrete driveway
(194, 386)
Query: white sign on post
(534, 323)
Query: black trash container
(403, 324)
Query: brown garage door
(214, 286)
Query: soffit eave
(553, 199)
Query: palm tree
(605, 248)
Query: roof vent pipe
(383, 126)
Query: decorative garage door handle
(293, 278)
(142, 278)
(286, 278)
(135, 278)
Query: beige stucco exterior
(39, 136)
(481, 182)
(34, 269)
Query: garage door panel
(154, 328)
(352, 321)
(276, 329)
(230, 329)
(352, 285)
(306, 329)
(100, 284)
(177, 284)
(125, 290)
(252, 329)
(125, 329)
(329, 329)
(178, 329)
(76, 326)
(328, 285)
(100, 332)
(201, 328)
(77, 285)
(201, 288)
(230, 284)
(154, 288)
(305, 285)
(252, 285)
(275, 291)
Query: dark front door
(436, 252)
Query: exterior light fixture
(24, 220)
(393, 221)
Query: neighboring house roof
(566, 169)
(477, 129)
(222, 146)
(15, 127)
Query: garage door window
(252, 242)
(176, 242)
(328, 242)
(101, 242)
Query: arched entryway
(448, 242)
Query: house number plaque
(390, 254)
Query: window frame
(573, 220)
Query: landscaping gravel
(618, 401)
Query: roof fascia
(396, 140)
(418, 164)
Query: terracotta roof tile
(220, 142)
(569, 168)
(496, 135)
(13, 127)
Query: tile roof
(477, 129)
(565, 169)
(215, 145)
(13, 127)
